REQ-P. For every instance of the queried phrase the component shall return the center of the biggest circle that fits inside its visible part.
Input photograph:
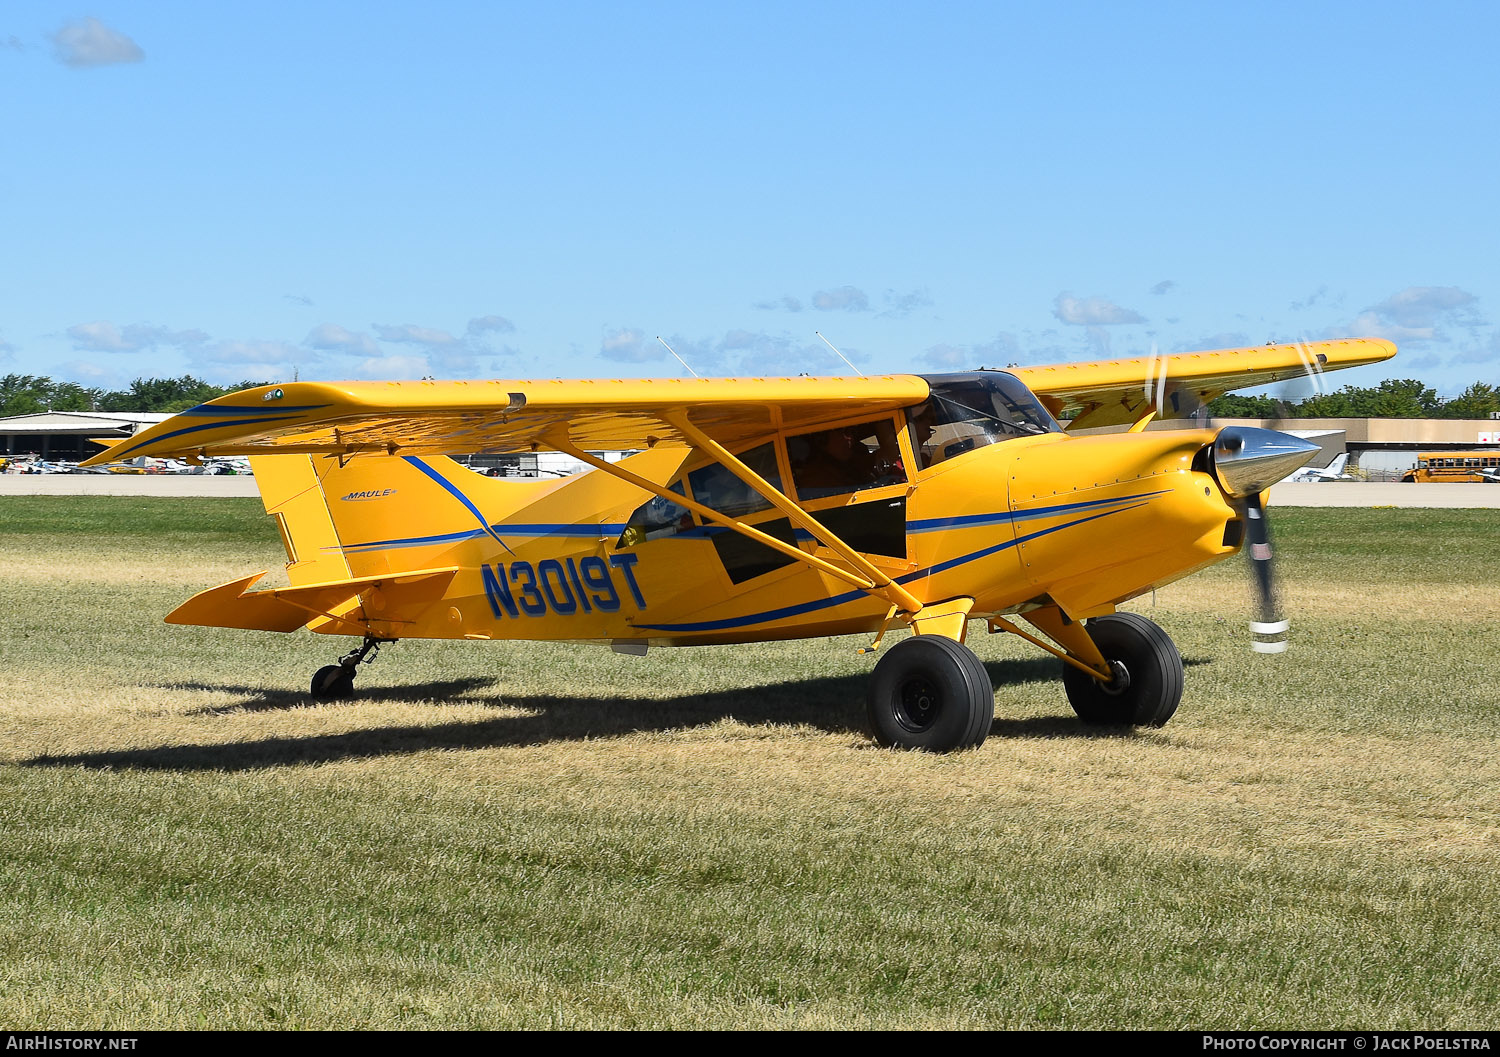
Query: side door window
(845, 459)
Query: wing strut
(884, 586)
(873, 580)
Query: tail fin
(380, 514)
(293, 495)
(1339, 462)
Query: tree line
(23, 394)
(1392, 398)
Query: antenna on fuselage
(679, 359)
(839, 354)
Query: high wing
(1112, 392)
(432, 418)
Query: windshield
(968, 411)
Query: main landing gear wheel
(1148, 675)
(930, 693)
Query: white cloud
(1164, 286)
(89, 373)
(948, 357)
(1417, 313)
(453, 361)
(89, 42)
(299, 299)
(1004, 349)
(738, 352)
(902, 305)
(760, 353)
(1228, 339)
(1488, 353)
(411, 334)
(1422, 306)
(491, 324)
(787, 304)
(331, 337)
(1312, 299)
(103, 336)
(844, 299)
(393, 367)
(1371, 323)
(1092, 311)
(256, 352)
(630, 345)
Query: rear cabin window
(655, 518)
(718, 489)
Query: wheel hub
(919, 705)
(1120, 683)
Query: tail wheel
(930, 693)
(333, 682)
(1147, 686)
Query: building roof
(124, 423)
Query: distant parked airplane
(1334, 471)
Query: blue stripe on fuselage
(849, 596)
(453, 490)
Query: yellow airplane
(768, 508)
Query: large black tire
(1148, 680)
(930, 693)
(333, 682)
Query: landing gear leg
(336, 681)
(1148, 675)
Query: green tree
(23, 394)
(70, 396)
(1480, 400)
(161, 394)
(1327, 405)
(1233, 405)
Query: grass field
(535, 835)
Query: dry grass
(537, 835)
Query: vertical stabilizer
(292, 494)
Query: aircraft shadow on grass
(832, 704)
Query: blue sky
(382, 190)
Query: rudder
(293, 496)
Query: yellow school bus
(1475, 466)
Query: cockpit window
(968, 411)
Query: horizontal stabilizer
(234, 605)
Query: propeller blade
(1270, 630)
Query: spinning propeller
(1273, 456)
(1247, 461)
